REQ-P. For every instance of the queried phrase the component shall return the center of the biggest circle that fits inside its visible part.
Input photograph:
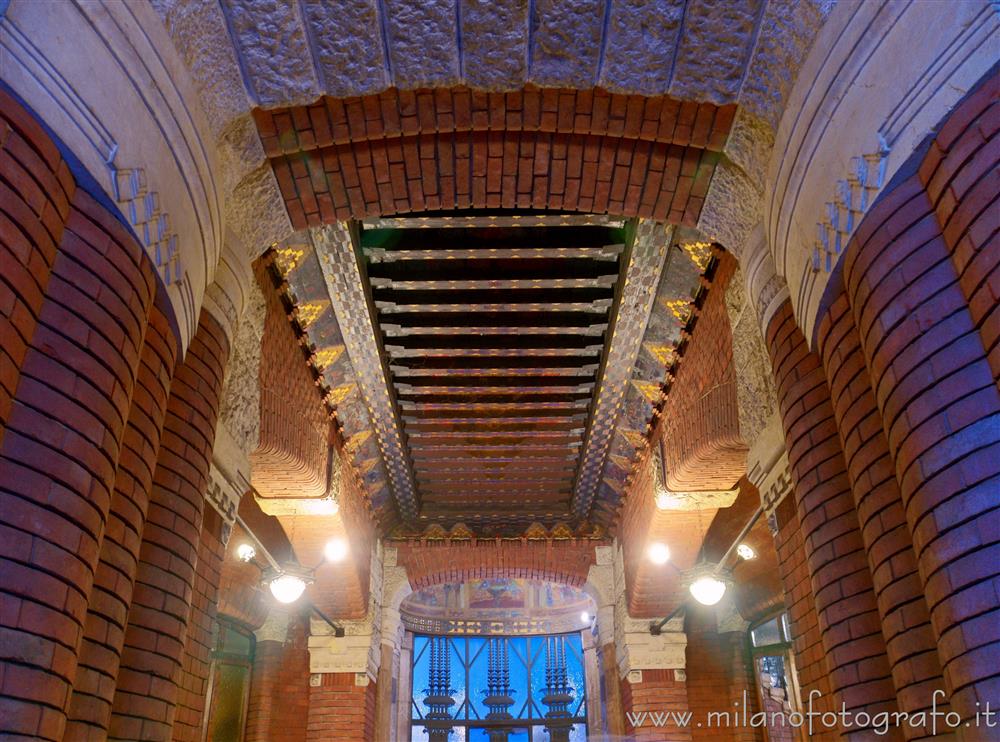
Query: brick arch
(433, 563)
(405, 151)
(291, 461)
(703, 450)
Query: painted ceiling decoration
(493, 374)
(501, 606)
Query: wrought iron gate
(499, 688)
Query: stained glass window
(498, 689)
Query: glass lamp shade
(708, 589)
(287, 588)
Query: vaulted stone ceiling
(375, 112)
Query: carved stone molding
(766, 289)
(755, 390)
(728, 618)
(144, 210)
(641, 275)
(239, 411)
(359, 649)
(635, 647)
(879, 77)
(224, 496)
(767, 465)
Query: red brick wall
(703, 450)
(652, 589)
(659, 692)
(279, 688)
(60, 448)
(719, 678)
(807, 645)
(906, 626)
(241, 597)
(431, 563)
(842, 588)
(145, 699)
(937, 395)
(341, 710)
(198, 646)
(701, 424)
(107, 614)
(962, 178)
(35, 191)
(405, 151)
(290, 459)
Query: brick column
(810, 657)
(59, 454)
(104, 631)
(35, 192)
(962, 178)
(720, 674)
(655, 692)
(846, 609)
(278, 706)
(906, 625)
(940, 411)
(147, 693)
(197, 658)
(341, 707)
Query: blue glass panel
(538, 669)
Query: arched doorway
(499, 659)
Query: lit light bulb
(335, 550)
(659, 553)
(245, 552)
(708, 590)
(585, 617)
(287, 588)
(745, 551)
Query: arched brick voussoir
(427, 563)
(455, 148)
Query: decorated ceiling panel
(493, 373)
(497, 606)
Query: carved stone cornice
(640, 279)
(766, 288)
(767, 466)
(342, 272)
(223, 494)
